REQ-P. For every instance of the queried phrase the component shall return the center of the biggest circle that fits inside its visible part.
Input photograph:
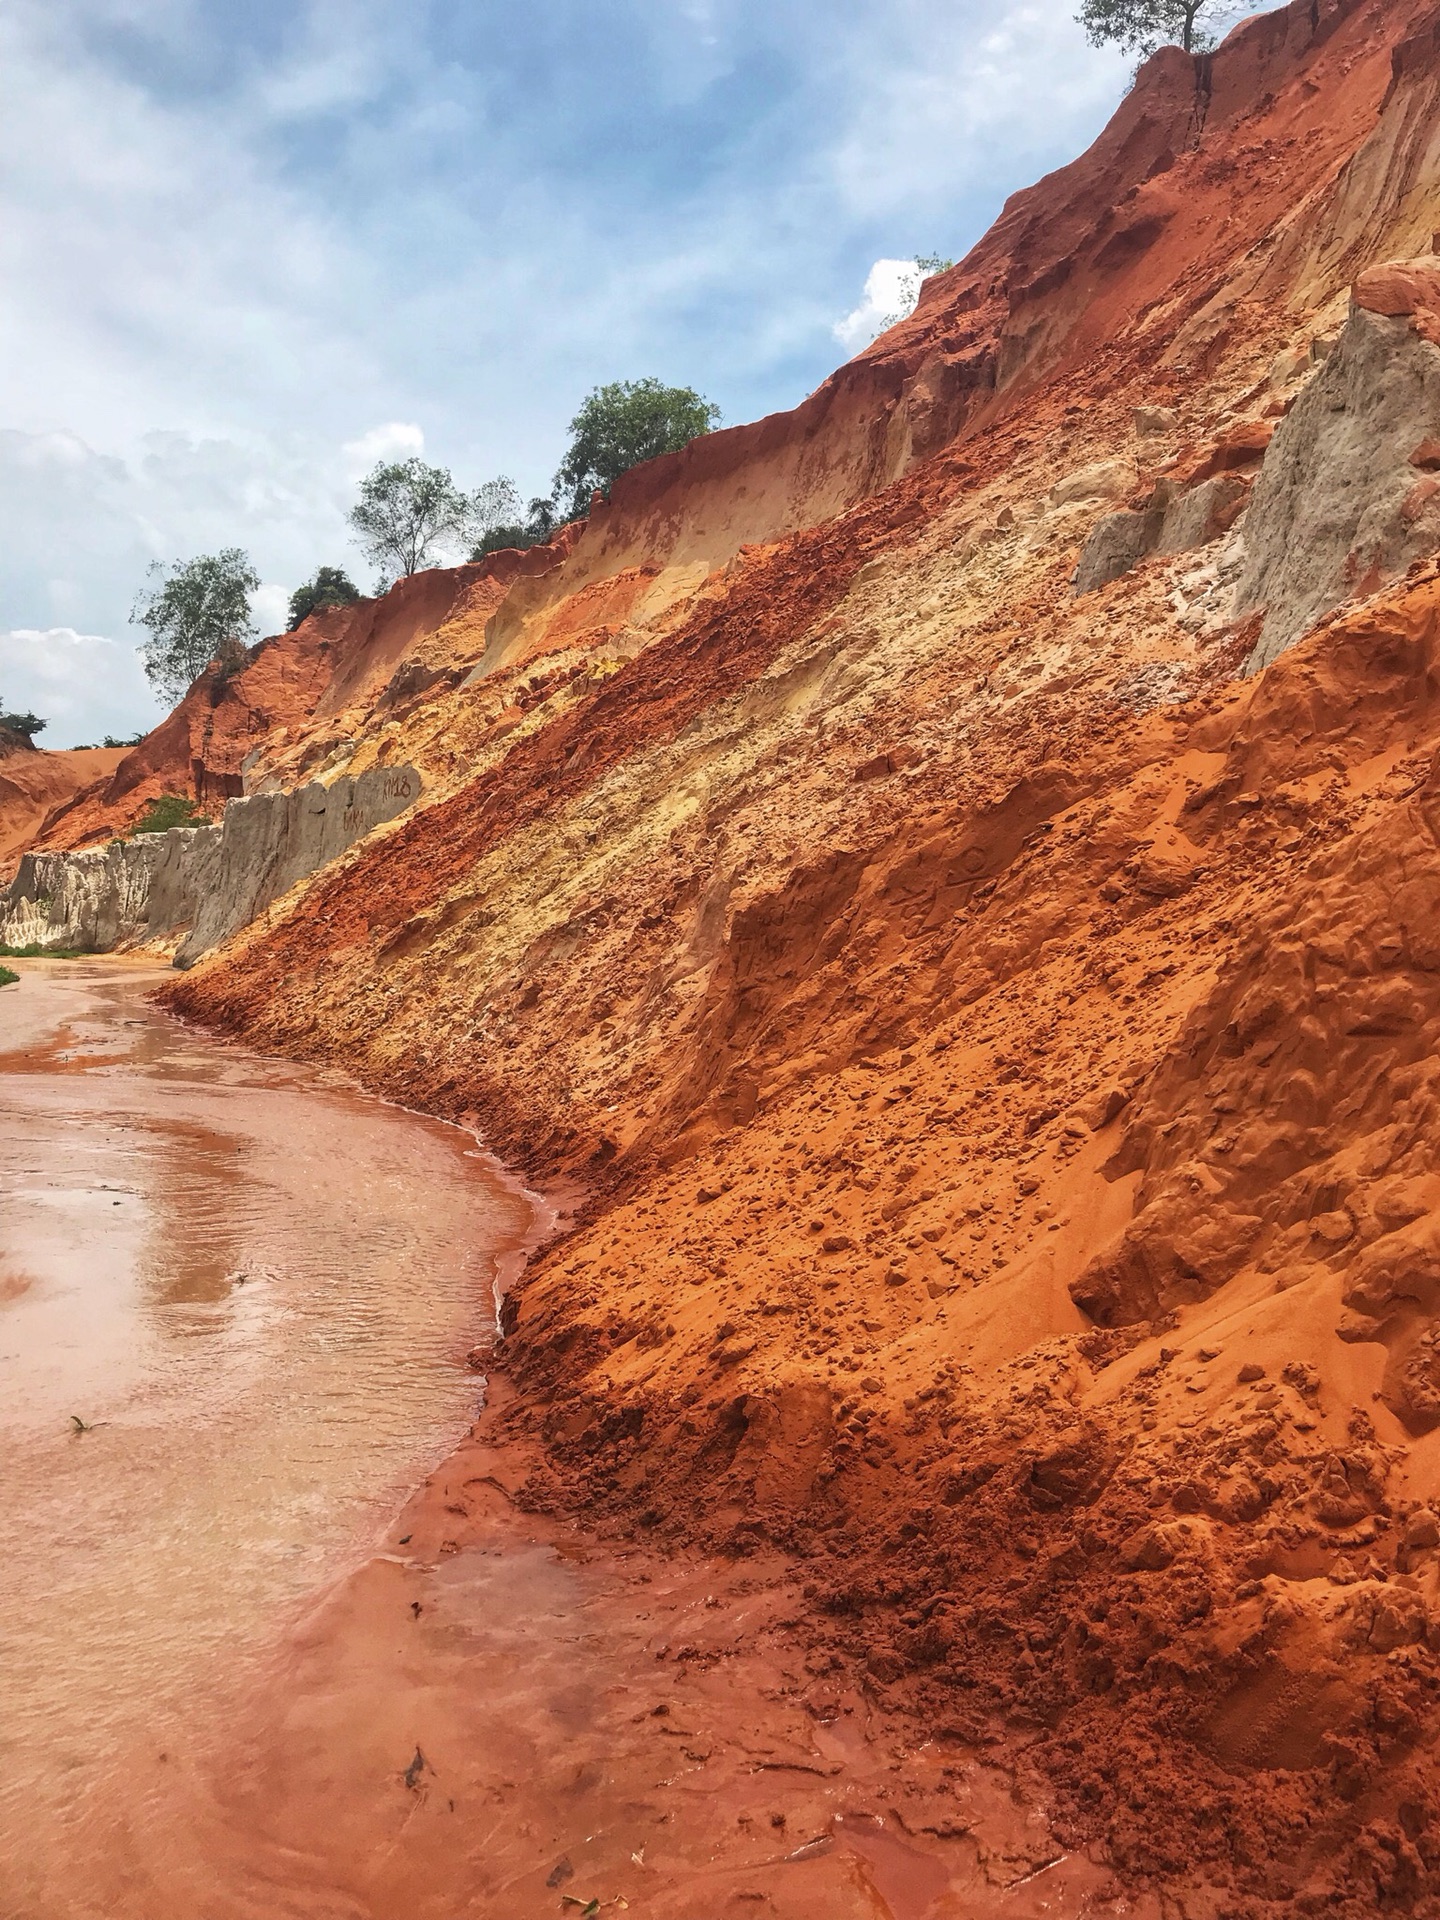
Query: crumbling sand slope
(34, 783)
(318, 701)
(995, 1038)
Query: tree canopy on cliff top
(619, 426)
(1140, 26)
(27, 725)
(409, 512)
(198, 614)
(539, 523)
(327, 587)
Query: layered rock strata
(196, 885)
(271, 841)
(993, 1036)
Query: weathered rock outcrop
(1172, 521)
(303, 701)
(106, 897)
(196, 884)
(1349, 493)
(271, 840)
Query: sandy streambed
(245, 1675)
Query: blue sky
(245, 250)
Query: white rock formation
(197, 884)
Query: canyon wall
(102, 898)
(34, 783)
(307, 704)
(945, 880)
(192, 887)
(1227, 206)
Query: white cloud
(333, 68)
(984, 104)
(83, 526)
(890, 290)
(398, 440)
(84, 684)
(270, 606)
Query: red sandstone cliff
(35, 784)
(995, 1037)
(303, 698)
(1230, 196)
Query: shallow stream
(236, 1299)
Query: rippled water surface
(255, 1291)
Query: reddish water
(256, 1291)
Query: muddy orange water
(277, 1639)
(256, 1291)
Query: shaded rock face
(1342, 503)
(103, 897)
(1116, 544)
(1172, 522)
(202, 882)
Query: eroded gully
(248, 1670)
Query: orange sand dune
(34, 784)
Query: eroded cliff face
(184, 891)
(33, 784)
(1218, 220)
(991, 1027)
(317, 702)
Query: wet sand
(497, 1717)
(244, 1679)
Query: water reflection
(196, 1201)
(235, 1300)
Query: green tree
(199, 613)
(407, 513)
(28, 724)
(539, 523)
(493, 506)
(619, 426)
(1140, 26)
(329, 587)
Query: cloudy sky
(246, 250)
